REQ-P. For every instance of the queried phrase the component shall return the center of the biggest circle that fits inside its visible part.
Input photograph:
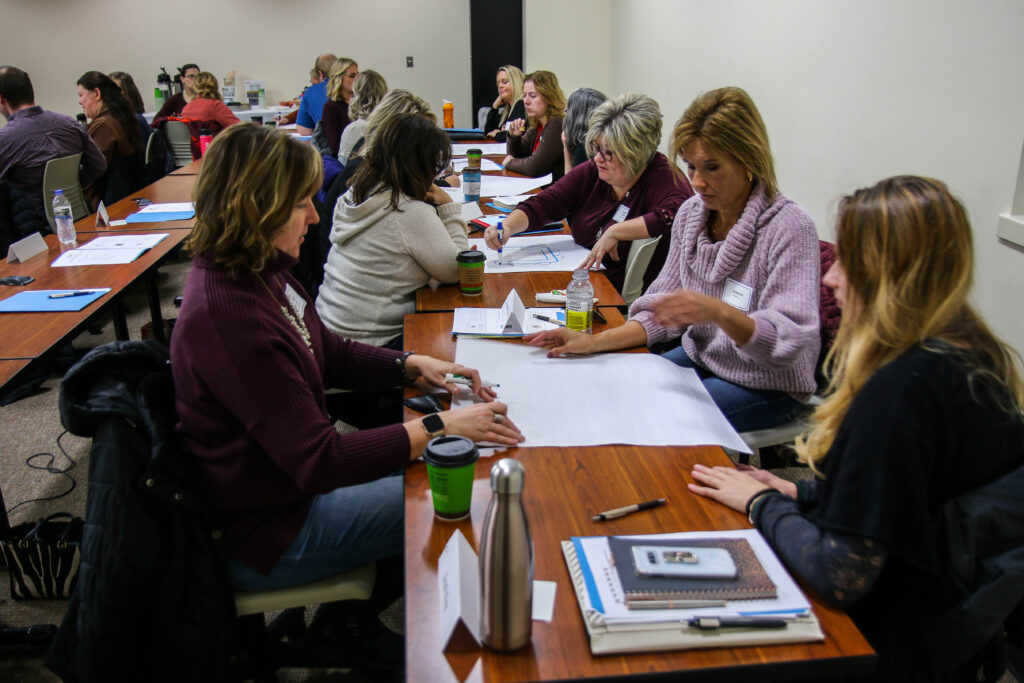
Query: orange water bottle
(449, 114)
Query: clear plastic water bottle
(63, 219)
(158, 98)
(579, 302)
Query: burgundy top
(536, 158)
(333, 121)
(588, 203)
(250, 400)
(172, 107)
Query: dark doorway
(495, 39)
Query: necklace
(289, 314)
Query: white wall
(853, 91)
(569, 38)
(56, 41)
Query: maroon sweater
(333, 120)
(250, 400)
(589, 205)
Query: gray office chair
(636, 265)
(62, 174)
(179, 140)
(481, 117)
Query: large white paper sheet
(499, 185)
(551, 253)
(615, 398)
(462, 148)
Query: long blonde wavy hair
(906, 247)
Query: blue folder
(159, 217)
(39, 301)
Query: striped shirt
(32, 137)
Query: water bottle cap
(56, 192)
(507, 476)
(581, 274)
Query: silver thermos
(506, 561)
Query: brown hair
(206, 87)
(250, 181)
(546, 84)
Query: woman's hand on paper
(562, 341)
(482, 422)
(606, 245)
(727, 485)
(433, 371)
(491, 237)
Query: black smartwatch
(434, 425)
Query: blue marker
(500, 228)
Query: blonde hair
(728, 119)
(240, 205)
(906, 248)
(206, 87)
(546, 84)
(395, 102)
(515, 77)
(336, 75)
(367, 91)
(630, 127)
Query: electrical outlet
(408, 62)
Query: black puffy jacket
(18, 218)
(153, 601)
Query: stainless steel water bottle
(506, 561)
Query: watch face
(434, 424)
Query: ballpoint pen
(628, 510)
(715, 623)
(548, 319)
(65, 295)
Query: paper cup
(451, 466)
(471, 272)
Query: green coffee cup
(471, 271)
(451, 466)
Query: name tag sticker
(621, 213)
(295, 300)
(737, 294)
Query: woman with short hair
(251, 359)
(394, 231)
(336, 116)
(627, 192)
(207, 108)
(508, 106)
(924, 405)
(582, 103)
(535, 145)
(368, 90)
(739, 288)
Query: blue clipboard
(39, 301)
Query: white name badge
(295, 300)
(621, 213)
(737, 294)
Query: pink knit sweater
(773, 249)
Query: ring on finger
(499, 418)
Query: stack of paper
(110, 250)
(511, 320)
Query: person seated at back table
(582, 103)
(174, 104)
(251, 359)
(368, 90)
(131, 93)
(537, 151)
(207, 107)
(739, 288)
(34, 136)
(924, 404)
(393, 231)
(627, 192)
(113, 127)
(508, 106)
(311, 106)
(335, 117)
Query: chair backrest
(179, 139)
(639, 258)
(157, 160)
(62, 174)
(481, 117)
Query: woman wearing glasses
(739, 289)
(627, 192)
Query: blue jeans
(346, 528)
(746, 409)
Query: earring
(750, 177)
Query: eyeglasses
(605, 154)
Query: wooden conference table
(564, 488)
(169, 189)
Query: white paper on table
(471, 210)
(461, 149)
(167, 207)
(544, 600)
(97, 257)
(509, 320)
(612, 398)
(485, 165)
(789, 598)
(134, 241)
(532, 253)
(456, 194)
(482, 322)
(499, 185)
(512, 200)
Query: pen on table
(715, 623)
(500, 229)
(672, 604)
(65, 295)
(449, 378)
(628, 510)
(548, 319)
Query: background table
(498, 285)
(169, 189)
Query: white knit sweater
(379, 258)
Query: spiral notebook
(751, 582)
